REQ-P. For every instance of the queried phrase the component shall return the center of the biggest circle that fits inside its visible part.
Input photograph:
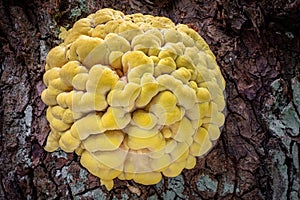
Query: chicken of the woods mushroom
(135, 96)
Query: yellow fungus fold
(135, 96)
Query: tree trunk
(257, 45)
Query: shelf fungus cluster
(135, 96)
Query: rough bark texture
(257, 45)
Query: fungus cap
(136, 96)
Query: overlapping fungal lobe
(134, 95)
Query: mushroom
(135, 96)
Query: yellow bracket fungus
(135, 96)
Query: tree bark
(257, 45)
